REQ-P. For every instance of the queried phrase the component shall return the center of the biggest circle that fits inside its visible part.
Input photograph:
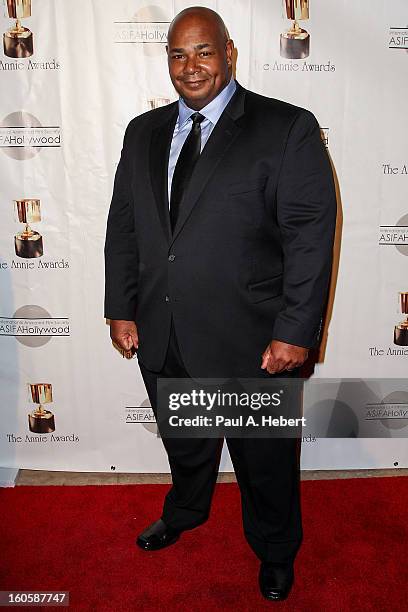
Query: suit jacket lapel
(158, 160)
(221, 138)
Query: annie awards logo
(41, 419)
(295, 44)
(29, 247)
(22, 136)
(18, 41)
(147, 27)
(399, 336)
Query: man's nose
(191, 64)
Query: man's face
(199, 60)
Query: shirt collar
(213, 110)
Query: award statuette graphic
(18, 40)
(157, 102)
(401, 330)
(28, 243)
(40, 420)
(295, 43)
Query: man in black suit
(218, 256)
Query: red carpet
(81, 539)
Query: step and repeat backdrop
(72, 75)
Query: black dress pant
(267, 472)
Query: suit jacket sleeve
(121, 254)
(306, 213)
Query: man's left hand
(280, 356)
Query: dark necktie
(186, 161)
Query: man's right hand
(124, 334)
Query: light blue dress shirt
(212, 112)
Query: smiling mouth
(194, 83)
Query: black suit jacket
(251, 254)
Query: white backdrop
(94, 66)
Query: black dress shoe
(275, 580)
(157, 536)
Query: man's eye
(205, 53)
(177, 56)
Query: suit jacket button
(171, 257)
(167, 299)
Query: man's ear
(230, 50)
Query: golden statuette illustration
(28, 243)
(18, 40)
(41, 420)
(157, 102)
(295, 43)
(401, 330)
